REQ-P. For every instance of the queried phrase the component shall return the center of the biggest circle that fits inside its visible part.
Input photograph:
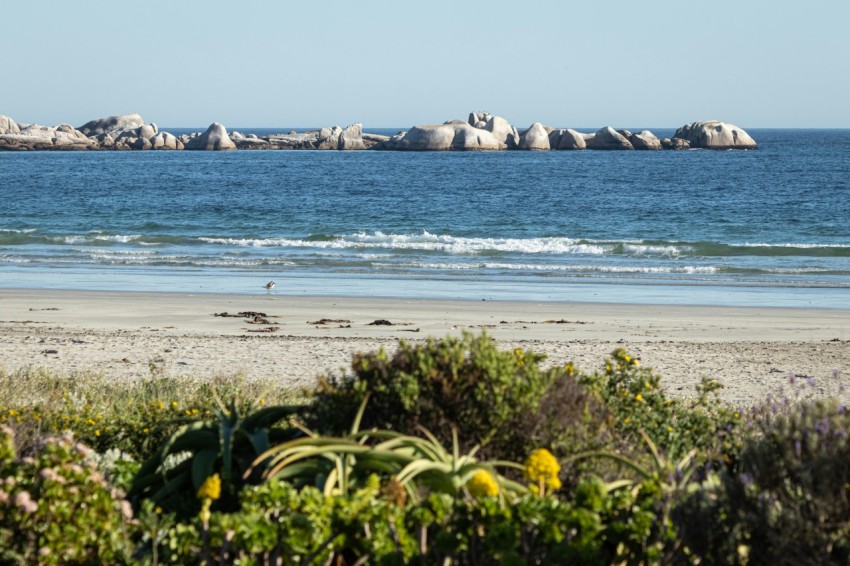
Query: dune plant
(418, 464)
(787, 499)
(57, 508)
(465, 383)
(225, 445)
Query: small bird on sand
(269, 286)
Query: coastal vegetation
(445, 451)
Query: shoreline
(751, 350)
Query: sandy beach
(751, 351)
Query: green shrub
(465, 383)
(637, 405)
(227, 445)
(787, 500)
(56, 507)
(601, 526)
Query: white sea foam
(427, 242)
(16, 231)
(94, 238)
(790, 245)
(459, 266)
(642, 249)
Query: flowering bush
(56, 507)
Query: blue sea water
(764, 227)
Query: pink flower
(25, 502)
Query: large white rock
(535, 138)
(112, 125)
(8, 126)
(502, 130)
(609, 138)
(352, 137)
(712, 134)
(455, 135)
(165, 140)
(215, 138)
(645, 140)
(571, 139)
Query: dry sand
(751, 351)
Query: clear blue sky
(755, 63)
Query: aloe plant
(227, 445)
(337, 464)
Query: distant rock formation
(609, 139)
(454, 135)
(645, 140)
(482, 131)
(8, 126)
(112, 125)
(13, 136)
(675, 144)
(535, 138)
(712, 134)
(215, 139)
(570, 139)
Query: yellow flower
(639, 397)
(636, 363)
(174, 404)
(211, 488)
(542, 469)
(482, 484)
(90, 422)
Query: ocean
(769, 227)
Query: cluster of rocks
(481, 132)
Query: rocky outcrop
(645, 140)
(214, 139)
(482, 131)
(454, 135)
(112, 125)
(8, 126)
(675, 144)
(250, 141)
(34, 136)
(535, 138)
(507, 135)
(570, 139)
(609, 139)
(352, 138)
(348, 138)
(164, 140)
(712, 134)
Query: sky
(188, 63)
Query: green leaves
(227, 444)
